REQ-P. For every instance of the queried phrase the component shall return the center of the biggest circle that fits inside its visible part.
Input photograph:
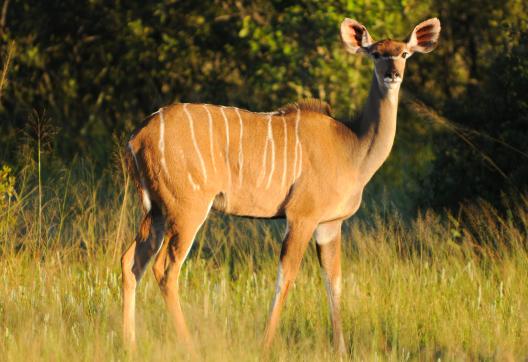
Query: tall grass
(435, 287)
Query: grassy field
(435, 287)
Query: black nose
(393, 74)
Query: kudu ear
(355, 36)
(424, 37)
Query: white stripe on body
(264, 157)
(161, 143)
(297, 164)
(211, 150)
(227, 145)
(270, 137)
(153, 113)
(285, 152)
(194, 185)
(196, 148)
(240, 150)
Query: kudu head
(389, 55)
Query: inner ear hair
(355, 36)
(424, 37)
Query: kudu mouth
(391, 82)
(389, 79)
(392, 77)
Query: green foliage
(97, 68)
(7, 192)
(498, 112)
(7, 185)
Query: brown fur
(389, 47)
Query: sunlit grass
(434, 287)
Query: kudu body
(297, 163)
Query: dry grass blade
(7, 62)
(429, 113)
(423, 291)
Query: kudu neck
(377, 127)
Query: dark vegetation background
(82, 74)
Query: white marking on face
(396, 57)
(194, 185)
(226, 123)
(161, 143)
(240, 150)
(211, 147)
(392, 83)
(392, 88)
(285, 152)
(193, 137)
(270, 138)
(297, 164)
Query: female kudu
(298, 163)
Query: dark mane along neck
(313, 105)
(319, 106)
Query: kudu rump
(297, 162)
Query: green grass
(436, 287)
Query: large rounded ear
(355, 36)
(424, 37)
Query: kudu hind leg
(133, 263)
(293, 249)
(168, 263)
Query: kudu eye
(404, 55)
(376, 55)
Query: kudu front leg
(328, 238)
(293, 249)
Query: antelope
(296, 163)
